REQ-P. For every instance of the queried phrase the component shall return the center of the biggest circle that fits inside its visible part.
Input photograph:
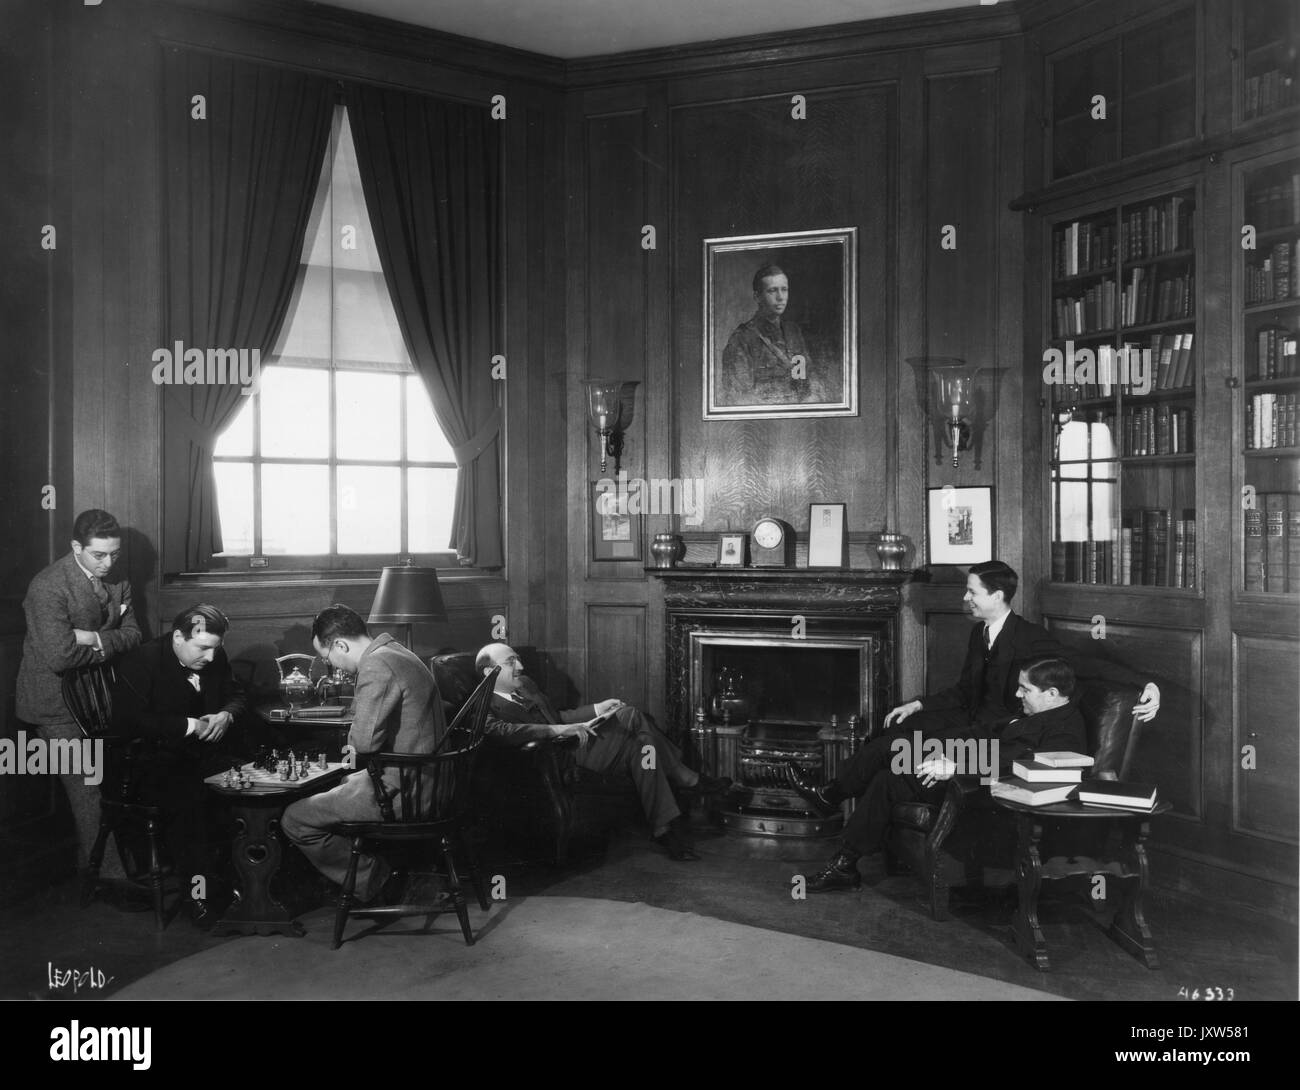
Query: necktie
(101, 593)
(988, 643)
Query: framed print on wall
(828, 535)
(961, 525)
(781, 325)
(615, 531)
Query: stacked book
(1114, 795)
(1047, 778)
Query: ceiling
(583, 28)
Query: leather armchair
(966, 841)
(525, 791)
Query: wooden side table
(1093, 828)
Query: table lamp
(409, 596)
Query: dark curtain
(431, 172)
(239, 188)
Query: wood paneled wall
(905, 133)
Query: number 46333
(1223, 994)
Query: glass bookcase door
(1123, 415)
(1270, 57)
(1270, 324)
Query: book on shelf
(1161, 227)
(1038, 772)
(1115, 793)
(1064, 758)
(1253, 548)
(1271, 278)
(1275, 566)
(1277, 205)
(1014, 789)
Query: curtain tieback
(466, 452)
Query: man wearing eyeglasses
(612, 736)
(75, 617)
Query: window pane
(306, 332)
(295, 509)
(424, 439)
(237, 440)
(430, 497)
(369, 509)
(368, 421)
(235, 506)
(295, 413)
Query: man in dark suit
(983, 700)
(626, 740)
(1051, 723)
(178, 692)
(74, 618)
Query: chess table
(258, 846)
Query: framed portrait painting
(961, 525)
(781, 325)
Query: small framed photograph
(961, 525)
(733, 551)
(828, 535)
(616, 532)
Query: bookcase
(1268, 294)
(1122, 374)
(1124, 95)
(1269, 59)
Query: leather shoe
(201, 913)
(677, 848)
(841, 874)
(709, 785)
(821, 796)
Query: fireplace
(767, 667)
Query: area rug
(558, 948)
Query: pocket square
(121, 609)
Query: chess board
(264, 781)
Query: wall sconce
(961, 400)
(610, 405)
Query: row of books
(1277, 205)
(1151, 548)
(1155, 429)
(1275, 352)
(1156, 229)
(1272, 543)
(1083, 247)
(1147, 296)
(1166, 364)
(1271, 421)
(1269, 91)
(1152, 295)
(1048, 778)
(1272, 279)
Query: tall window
(339, 454)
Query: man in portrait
(766, 360)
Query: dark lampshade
(408, 596)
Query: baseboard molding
(1222, 888)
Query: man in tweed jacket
(74, 618)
